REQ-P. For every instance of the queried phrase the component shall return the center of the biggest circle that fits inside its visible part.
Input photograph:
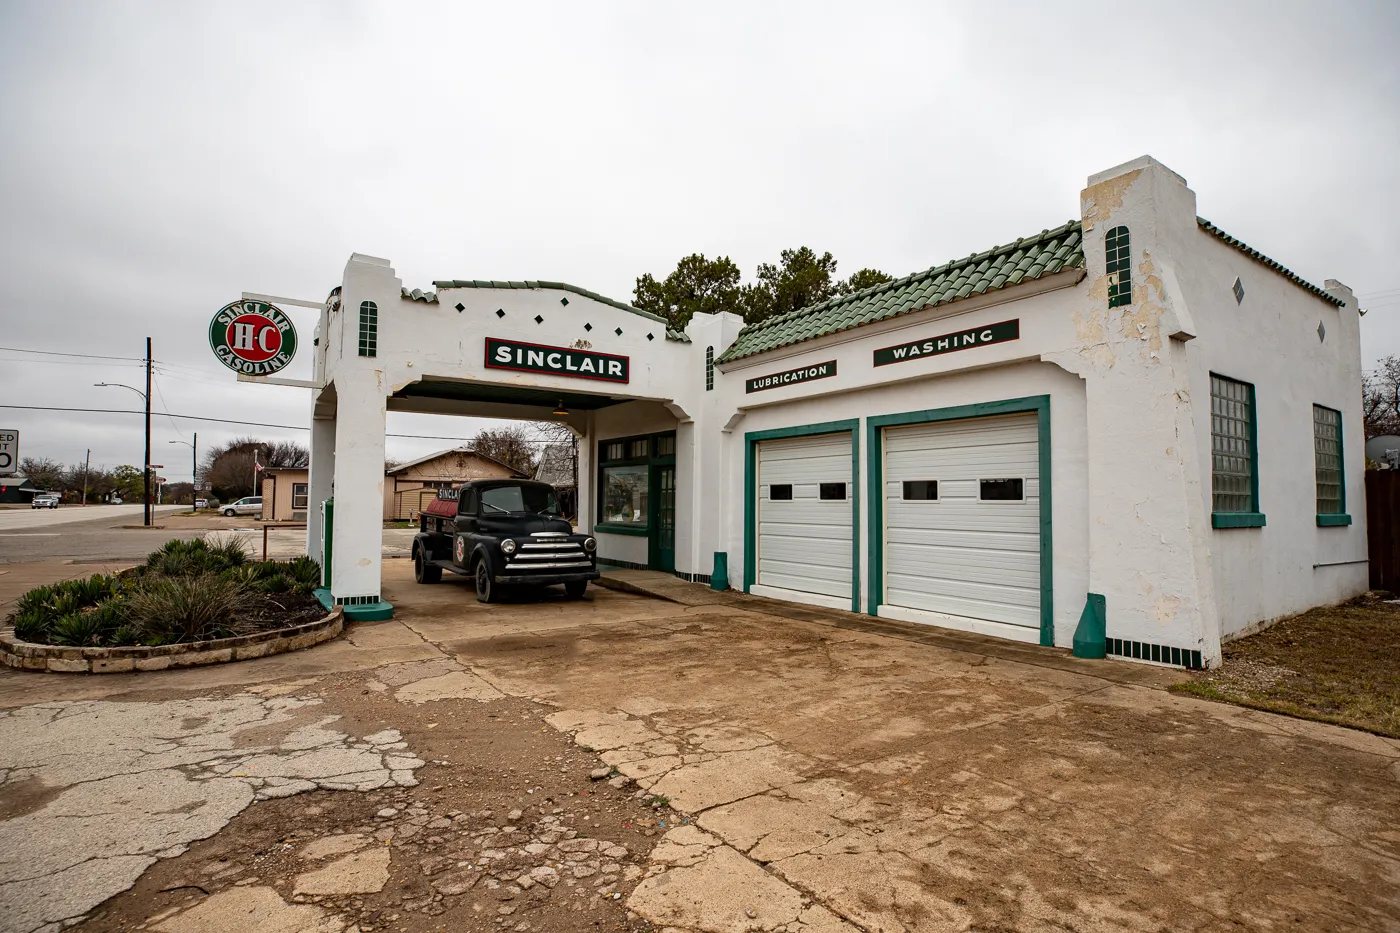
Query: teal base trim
(719, 578)
(364, 612)
(1093, 624)
(1237, 519)
(1162, 654)
(1333, 520)
(369, 612)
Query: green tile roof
(418, 294)
(671, 334)
(1027, 259)
(1257, 256)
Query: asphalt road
(94, 533)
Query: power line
(251, 424)
(86, 356)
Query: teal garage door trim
(875, 425)
(751, 441)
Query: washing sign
(9, 452)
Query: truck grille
(548, 551)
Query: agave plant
(173, 609)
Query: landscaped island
(185, 592)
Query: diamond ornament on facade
(1321, 332)
(500, 312)
(1238, 289)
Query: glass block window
(369, 328)
(1119, 267)
(1327, 458)
(1234, 459)
(709, 368)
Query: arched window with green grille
(369, 328)
(1119, 266)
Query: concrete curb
(28, 656)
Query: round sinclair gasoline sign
(253, 337)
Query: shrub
(194, 608)
(304, 572)
(85, 629)
(178, 558)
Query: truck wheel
(424, 572)
(485, 586)
(576, 589)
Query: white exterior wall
(1261, 574)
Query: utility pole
(194, 469)
(146, 463)
(86, 461)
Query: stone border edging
(61, 659)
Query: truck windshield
(519, 499)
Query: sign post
(9, 452)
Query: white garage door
(804, 519)
(962, 525)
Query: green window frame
(1119, 265)
(1234, 454)
(369, 329)
(709, 369)
(631, 458)
(1329, 467)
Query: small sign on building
(9, 452)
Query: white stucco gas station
(1130, 427)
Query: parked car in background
(248, 505)
(201, 503)
(44, 500)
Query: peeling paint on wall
(1099, 202)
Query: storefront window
(625, 495)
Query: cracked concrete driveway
(825, 777)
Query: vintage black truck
(502, 532)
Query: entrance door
(662, 546)
(805, 503)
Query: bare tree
(228, 468)
(1380, 398)
(43, 472)
(511, 445)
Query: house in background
(284, 494)
(19, 489)
(407, 487)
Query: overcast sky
(158, 159)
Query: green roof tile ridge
(949, 281)
(1274, 264)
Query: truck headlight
(590, 544)
(508, 547)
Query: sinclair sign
(253, 337)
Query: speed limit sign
(9, 452)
